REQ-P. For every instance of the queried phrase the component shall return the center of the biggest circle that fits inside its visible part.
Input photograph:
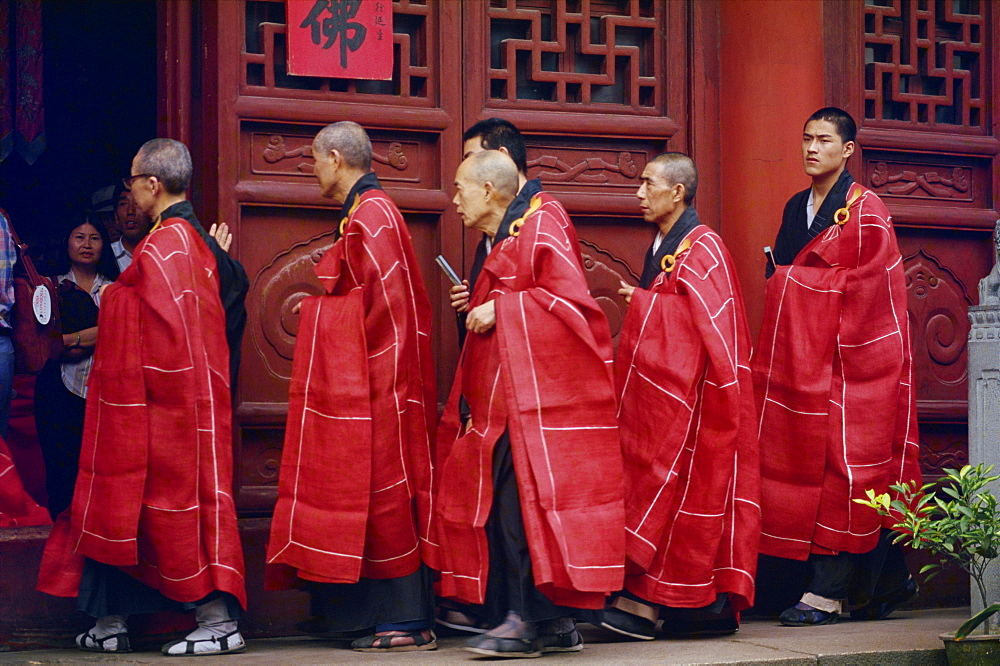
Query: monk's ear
(154, 185)
(489, 190)
(678, 192)
(337, 158)
(849, 149)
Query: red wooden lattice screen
(925, 64)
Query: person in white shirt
(61, 387)
(133, 225)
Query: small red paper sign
(346, 39)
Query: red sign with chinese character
(347, 39)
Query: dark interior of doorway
(99, 79)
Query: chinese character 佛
(337, 24)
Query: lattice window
(926, 63)
(265, 63)
(577, 52)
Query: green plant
(962, 527)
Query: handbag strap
(22, 251)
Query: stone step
(909, 638)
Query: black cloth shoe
(504, 648)
(318, 627)
(811, 617)
(571, 642)
(882, 606)
(627, 624)
(722, 626)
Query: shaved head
(485, 184)
(350, 139)
(491, 166)
(678, 168)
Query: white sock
(214, 622)
(109, 625)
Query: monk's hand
(626, 291)
(220, 232)
(460, 296)
(482, 317)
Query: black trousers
(107, 590)
(372, 602)
(59, 420)
(858, 577)
(511, 583)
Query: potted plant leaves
(956, 520)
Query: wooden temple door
(921, 76)
(594, 86)
(598, 87)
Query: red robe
(17, 508)
(354, 489)
(154, 491)
(689, 433)
(544, 373)
(834, 384)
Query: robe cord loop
(515, 226)
(669, 260)
(844, 214)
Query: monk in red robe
(353, 509)
(529, 510)
(833, 377)
(688, 425)
(153, 525)
(17, 507)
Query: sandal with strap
(228, 644)
(504, 647)
(88, 642)
(460, 618)
(376, 643)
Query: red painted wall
(771, 80)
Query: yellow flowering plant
(954, 519)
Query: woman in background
(61, 388)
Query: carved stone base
(984, 410)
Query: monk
(529, 508)
(152, 525)
(833, 379)
(688, 425)
(503, 135)
(353, 508)
(17, 507)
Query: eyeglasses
(127, 182)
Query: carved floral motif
(552, 168)
(604, 271)
(922, 181)
(279, 148)
(285, 281)
(939, 327)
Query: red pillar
(771, 80)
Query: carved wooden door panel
(922, 80)
(594, 85)
(598, 88)
(259, 122)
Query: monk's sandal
(376, 643)
(88, 642)
(205, 647)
